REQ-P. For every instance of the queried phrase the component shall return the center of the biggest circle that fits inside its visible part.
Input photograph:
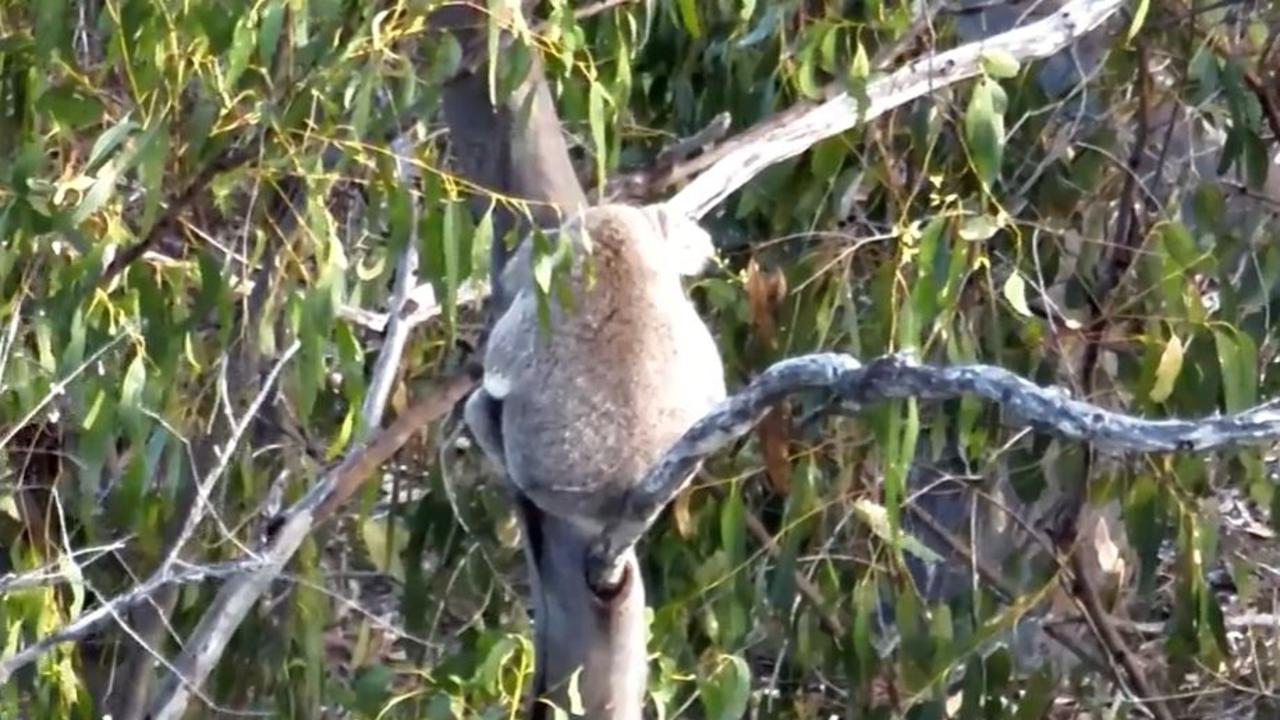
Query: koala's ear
(690, 246)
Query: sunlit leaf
(1015, 291)
(689, 16)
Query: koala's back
(619, 377)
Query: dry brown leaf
(774, 432)
(765, 291)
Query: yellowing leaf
(860, 69)
(1015, 291)
(1168, 369)
(876, 518)
(999, 63)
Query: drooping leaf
(984, 130)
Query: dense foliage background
(1104, 221)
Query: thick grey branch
(844, 111)
(1047, 409)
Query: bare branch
(205, 486)
(58, 572)
(801, 130)
(388, 363)
(1048, 409)
(419, 306)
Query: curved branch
(788, 136)
(1048, 409)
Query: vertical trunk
(517, 149)
(576, 628)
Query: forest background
(239, 241)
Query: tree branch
(1048, 409)
(795, 131)
(398, 326)
(208, 641)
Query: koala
(576, 412)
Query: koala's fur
(590, 403)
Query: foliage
(1104, 221)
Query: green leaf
(827, 157)
(135, 378)
(1234, 382)
(1144, 521)
(1181, 246)
(109, 140)
(1257, 160)
(689, 16)
(70, 106)
(453, 255)
(385, 543)
(153, 151)
(984, 130)
(725, 693)
(269, 32)
(827, 48)
(595, 117)
(103, 187)
(1167, 370)
(243, 41)
(1205, 73)
(493, 37)
(489, 674)
(806, 75)
(976, 228)
(860, 68)
(53, 25)
(733, 534)
(372, 686)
